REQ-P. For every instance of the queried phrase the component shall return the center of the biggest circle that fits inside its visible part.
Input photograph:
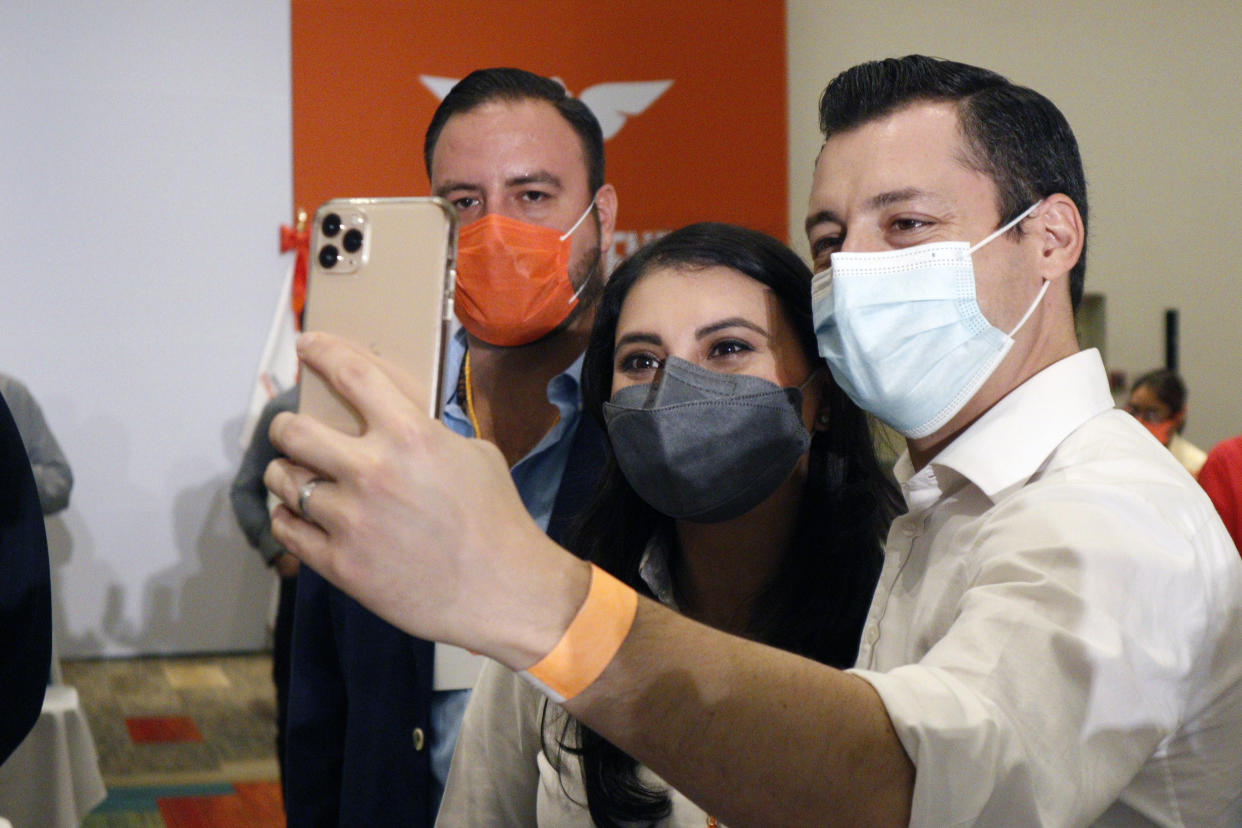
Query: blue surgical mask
(903, 333)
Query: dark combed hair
(504, 84)
(1014, 135)
(1167, 385)
(817, 600)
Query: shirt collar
(1011, 440)
(563, 389)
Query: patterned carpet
(183, 742)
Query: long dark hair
(816, 602)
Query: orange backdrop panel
(712, 146)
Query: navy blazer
(360, 687)
(25, 592)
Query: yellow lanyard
(474, 422)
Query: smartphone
(381, 274)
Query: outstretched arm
(754, 735)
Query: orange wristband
(591, 641)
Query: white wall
(1151, 90)
(146, 169)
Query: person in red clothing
(1221, 478)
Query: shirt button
(419, 739)
(872, 635)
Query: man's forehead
(912, 153)
(516, 139)
(510, 109)
(926, 129)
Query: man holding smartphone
(1056, 637)
(374, 713)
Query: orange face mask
(1162, 430)
(513, 279)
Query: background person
(1056, 634)
(1221, 477)
(1158, 401)
(761, 513)
(250, 505)
(52, 474)
(370, 740)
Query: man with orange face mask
(373, 712)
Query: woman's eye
(729, 347)
(638, 363)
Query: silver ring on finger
(304, 493)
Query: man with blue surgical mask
(1030, 634)
(1056, 637)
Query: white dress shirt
(1057, 631)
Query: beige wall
(1153, 93)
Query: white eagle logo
(612, 103)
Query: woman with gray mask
(741, 488)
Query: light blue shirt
(538, 479)
(538, 474)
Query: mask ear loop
(1042, 290)
(815, 372)
(1031, 309)
(587, 212)
(570, 232)
(1008, 226)
(822, 417)
(582, 286)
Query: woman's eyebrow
(731, 322)
(638, 336)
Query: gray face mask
(704, 446)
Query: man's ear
(606, 208)
(1059, 235)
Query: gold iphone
(381, 274)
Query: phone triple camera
(350, 241)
